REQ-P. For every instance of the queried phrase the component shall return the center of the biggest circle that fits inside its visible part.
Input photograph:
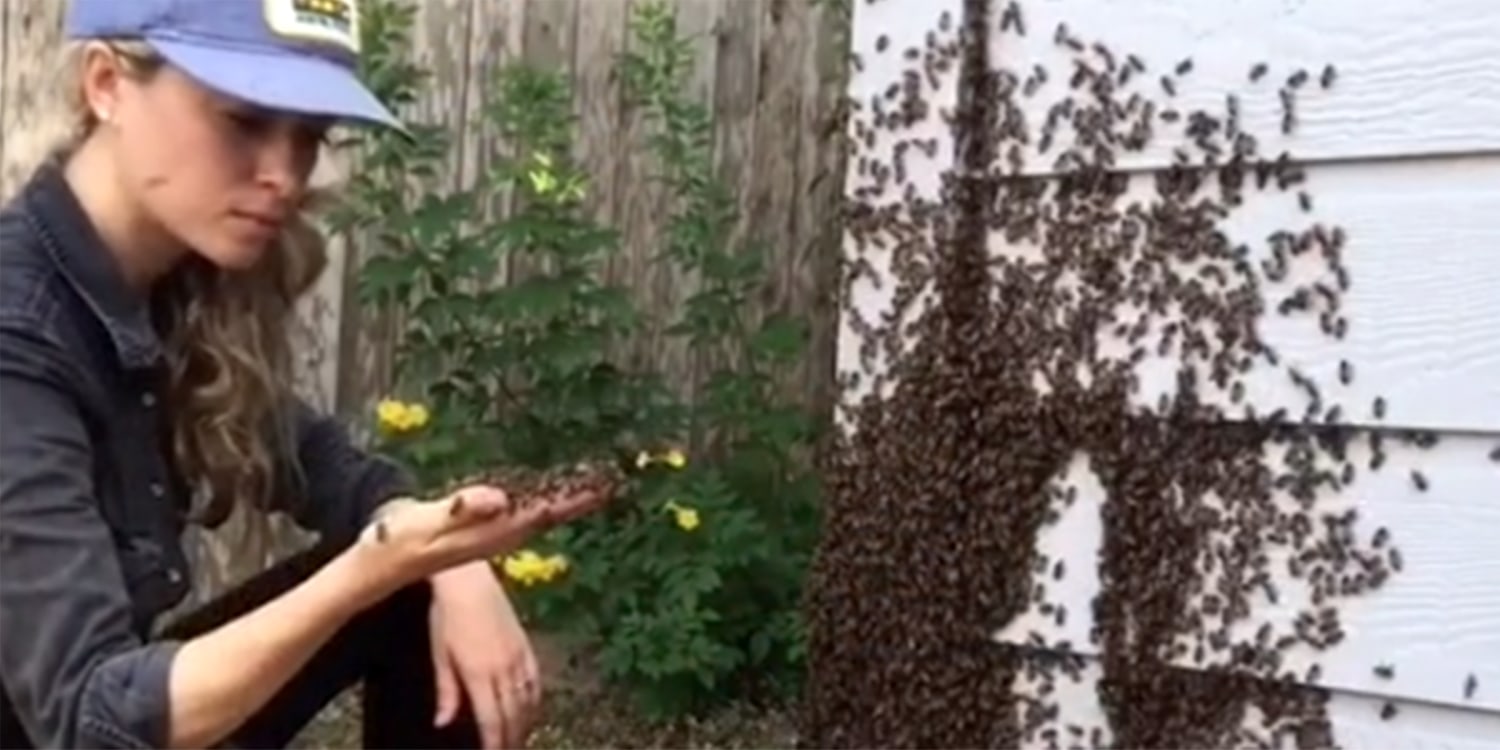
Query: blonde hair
(226, 333)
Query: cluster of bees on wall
(1022, 306)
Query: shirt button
(148, 400)
(174, 576)
(157, 489)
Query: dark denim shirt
(91, 513)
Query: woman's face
(218, 176)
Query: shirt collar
(81, 256)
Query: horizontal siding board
(900, 27)
(1355, 718)
(1423, 305)
(1435, 622)
(1414, 77)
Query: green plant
(509, 371)
(761, 500)
(689, 584)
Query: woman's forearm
(221, 678)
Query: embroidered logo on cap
(334, 22)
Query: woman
(150, 266)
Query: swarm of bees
(525, 486)
(995, 364)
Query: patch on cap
(332, 22)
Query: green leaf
(760, 646)
(780, 339)
(388, 276)
(438, 217)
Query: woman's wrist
(383, 567)
(463, 575)
(401, 565)
(373, 572)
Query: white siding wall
(1404, 154)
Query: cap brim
(302, 85)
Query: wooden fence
(773, 70)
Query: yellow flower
(389, 411)
(686, 518)
(398, 417)
(417, 416)
(528, 568)
(544, 180)
(519, 565)
(673, 458)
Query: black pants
(385, 648)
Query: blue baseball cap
(297, 56)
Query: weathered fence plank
(32, 36)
